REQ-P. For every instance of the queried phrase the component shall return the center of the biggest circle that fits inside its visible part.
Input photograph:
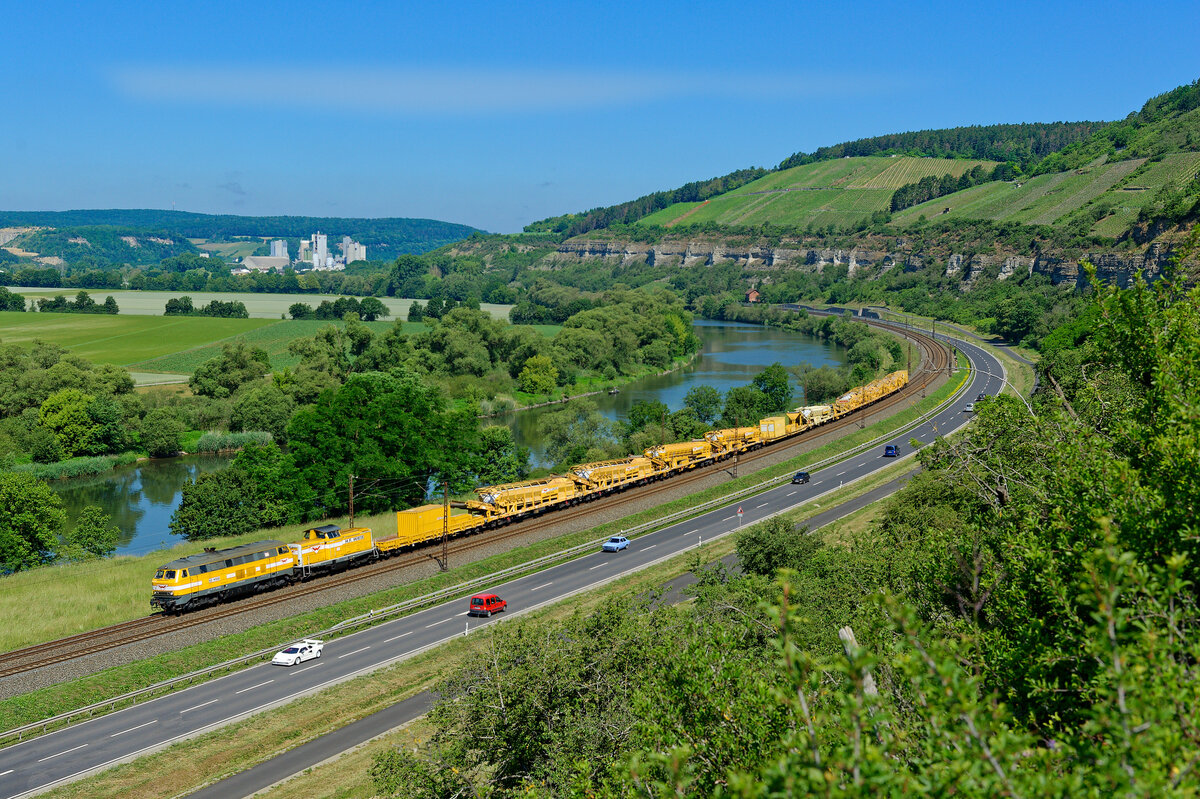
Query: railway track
(936, 358)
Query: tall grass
(220, 442)
(76, 467)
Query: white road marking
(2, 773)
(436, 623)
(355, 652)
(689, 532)
(756, 507)
(839, 474)
(729, 518)
(252, 687)
(464, 613)
(306, 668)
(131, 729)
(60, 754)
(542, 586)
(197, 707)
(597, 566)
(791, 492)
(395, 637)
(652, 546)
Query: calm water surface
(142, 498)
(733, 354)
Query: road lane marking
(791, 492)
(652, 546)
(547, 585)
(597, 566)
(756, 507)
(197, 707)
(395, 637)
(2, 773)
(252, 687)
(355, 652)
(436, 623)
(839, 474)
(131, 729)
(60, 754)
(306, 668)
(464, 613)
(689, 532)
(729, 518)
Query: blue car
(891, 451)
(615, 544)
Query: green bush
(217, 442)
(76, 467)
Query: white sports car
(307, 649)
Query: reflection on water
(140, 499)
(733, 354)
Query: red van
(486, 605)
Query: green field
(260, 306)
(827, 192)
(1051, 199)
(274, 338)
(120, 340)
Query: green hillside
(840, 192)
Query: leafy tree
(65, 413)
(10, 301)
(262, 408)
(705, 401)
(775, 544)
(776, 385)
(301, 310)
(179, 306)
(30, 517)
(644, 414)
(161, 432)
(539, 375)
(110, 305)
(501, 460)
(744, 406)
(43, 446)
(236, 365)
(578, 433)
(416, 312)
(94, 535)
(372, 308)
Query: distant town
(313, 255)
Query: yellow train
(216, 575)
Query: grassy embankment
(840, 192)
(122, 582)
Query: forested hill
(1025, 143)
(393, 235)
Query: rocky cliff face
(1118, 268)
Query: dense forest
(1019, 620)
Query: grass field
(120, 339)
(274, 338)
(838, 192)
(260, 306)
(1051, 199)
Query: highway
(42, 762)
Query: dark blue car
(891, 450)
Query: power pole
(351, 500)
(445, 561)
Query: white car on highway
(307, 649)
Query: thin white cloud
(465, 91)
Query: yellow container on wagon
(425, 523)
(527, 495)
(733, 439)
(814, 415)
(683, 455)
(776, 427)
(329, 547)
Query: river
(141, 498)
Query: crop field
(120, 340)
(1049, 199)
(838, 192)
(260, 306)
(274, 338)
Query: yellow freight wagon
(774, 428)
(814, 415)
(684, 455)
(733, 439)
(607, 475)
(329, 547)
(528, 495)
(418, 525)
(216, 574)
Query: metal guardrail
(451, 592)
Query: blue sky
(497, 114)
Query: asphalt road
(40, 763)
